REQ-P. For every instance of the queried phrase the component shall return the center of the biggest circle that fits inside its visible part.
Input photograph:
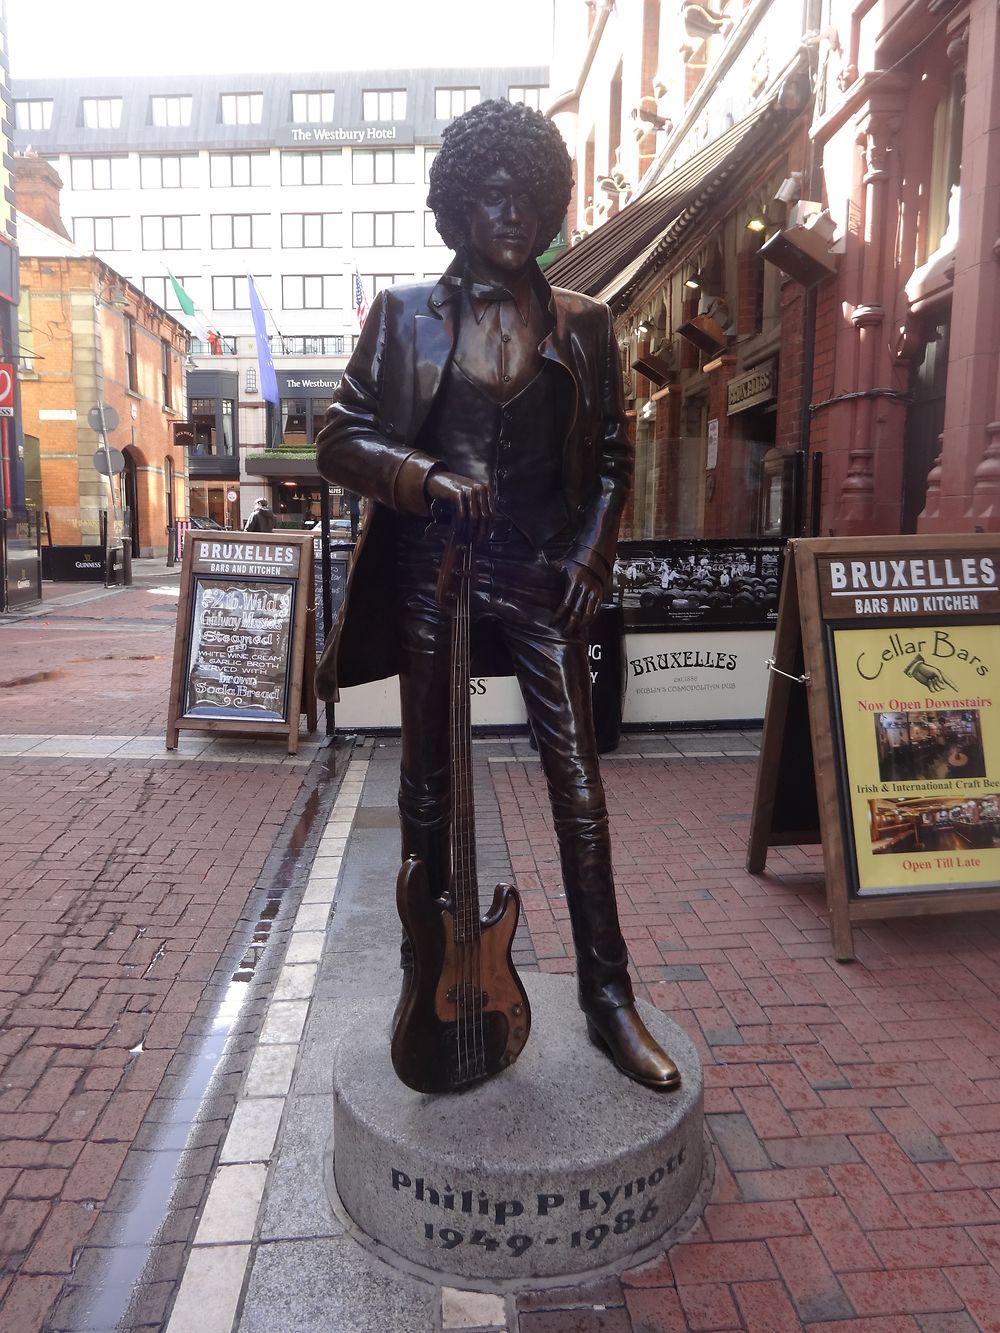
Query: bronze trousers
(520, 588)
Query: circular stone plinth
(559, 1165)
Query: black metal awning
(611, 261)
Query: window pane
(364, 224)
(362, 167)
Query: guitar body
(465, 1015)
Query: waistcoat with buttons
(516, 446)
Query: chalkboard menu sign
(891, 645)
(245, 618)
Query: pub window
(174, 232)
(312, 108)
(307, 231)
(311, 168)
(242, 108)
(102, 113)
(98, 173)
(235, 169)
(169, 171)
(383, 104)
(382, 166)
(251, 379)
(165, 358)
(451, 102)
(33, 113)
(131, 368)
(946, 160)
(92, 234)
(170, 111)
(239, 231)
(382, 229)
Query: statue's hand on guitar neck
(469, 501)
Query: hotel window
(98, 173)
(382, 229)
(34, 113)
(383, 104)
(311, 168)
(382, 166)
(533, 95)
(102, 113)
(175, 232)
(131, 368)
(168, 171)
(312, 108)
(431, 236)
(165, 358)
(230, 169)
(161, 290)
(429, 155)
(309, 231)
(170, 111)
(231, 293)
(307, 345)
(100, 233)
(242, 108)
(312, 291)
(451, 102)
(239, 231)
(376, 282)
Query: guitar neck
(465, 885)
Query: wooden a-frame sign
(882, 730)
(244, 649)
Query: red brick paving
(122, 883)
(110, 661)
(854, 1109)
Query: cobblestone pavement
(134, 884)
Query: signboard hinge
(799, 680)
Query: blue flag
(268, 379)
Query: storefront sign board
(889, 648)
(245, 625)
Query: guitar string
(458, 815)
(476, 958)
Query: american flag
(360, 301)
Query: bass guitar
(465, 1015)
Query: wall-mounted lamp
(649, 411)
(693, 281)
(757, 221)
(645, 326)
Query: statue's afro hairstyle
(493, 135)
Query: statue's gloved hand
(471, 500)
(582, 599)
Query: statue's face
(503, 227)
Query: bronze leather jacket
(368, 445)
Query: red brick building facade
(89, 336)
(783, 207)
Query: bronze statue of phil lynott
(501, 397)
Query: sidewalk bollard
(127, 562)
